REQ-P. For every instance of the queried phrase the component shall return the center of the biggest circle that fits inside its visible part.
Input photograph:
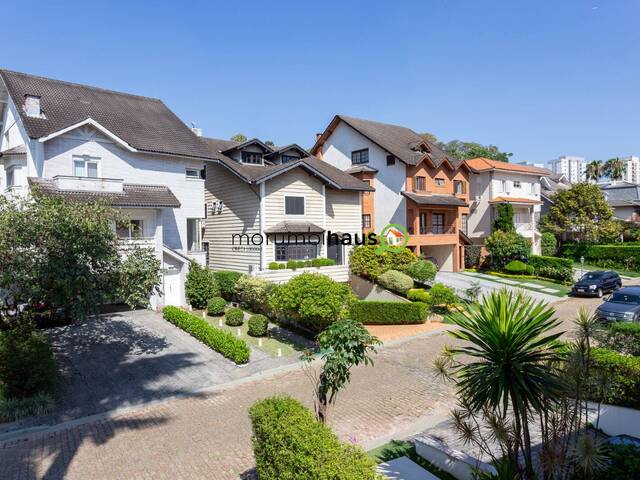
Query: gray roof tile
(443, 200)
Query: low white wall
(457, 463)
(616, 420)
(339, 273)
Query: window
(296, 251)
(131, 229)
(193, 173)
(464, 223)
(205, 247)
(516, 184)
(439, 182)
(419, 184)
(459, 187)
(423, 223)
(366, 220)
(11, 179)
(289, 158)
(252, 157)
(532, 188)
(294, 205)
(504, 186)
(32, 106)
(85, 166)
(360, 156)
(391, 160)
(438, 222)
(193, 234)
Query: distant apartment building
(573, 168)
(631, 169)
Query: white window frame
(304, 206)
(197, 172)
(12, 171)
(87, 159)
(198, 242)
(439, 182)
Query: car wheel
(600, 293)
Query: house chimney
(32, 106)
(197, 131)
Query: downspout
(263, 245)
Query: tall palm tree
(594, 171)
(614, 168)
(509, 342)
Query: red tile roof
(485, 164)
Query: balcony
(128, 244)
(88, 184)
(438, 230)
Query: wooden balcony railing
(438, 230)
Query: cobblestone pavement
(209, 436)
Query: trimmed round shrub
(282, 266)
(215, 306)
(234, 317)
(516, 266)
(418, 295)
(227, 280)
(422, 270)
(442, 297)
(530, 270)
(200, 285)
(258, 325)
(396, 281)
(274, 265)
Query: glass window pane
(78, 168)
(92, 170)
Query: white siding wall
(115, 162)
(17, 136)
(479, 220)
(296, 183)
(343, 214)
(390, 206)
(240, 215)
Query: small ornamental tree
(507, 246)
(200, 285)
(549, 244)
(139, 277)
(504, 218)
(346, 344)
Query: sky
(536, 78)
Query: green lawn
(400, 448)
(562, 290)
(624, 273)
(288, 342)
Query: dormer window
(85, 166)
(32, 106)
(289, 158)
(360, 156)
(253, 158)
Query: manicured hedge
(555, 268)
(215, 306)
(516, 266)
(234, 317)
(222, 342)
(258, 325)
(623, 256)
(290, 444)
(381, 312)
(622, 373)
(418, 295)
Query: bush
(623, 463)
(27, 366)
(418, 295)
(516, 266)
(200, 285)
(472, 256)
(216, 305)
(623, 337)
(621, 256)
(222, 342)
(548, 244)
(322, 262)
(258, 325)
(442, 297)
(395, 281)
(507, 246)
(530, 270)
(365, 262)
(290, 444)
(12, 409)
(234, 317)
(311, 299)
(274, 265)
(504, 218)
(282, 266)
(295, 264)
(623, 377)
(253, 291)
(227, 280)
(422, 270)
(552, 267)
(382, 312)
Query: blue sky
(537, 78)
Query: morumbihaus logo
(393, 238)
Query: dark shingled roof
(621, 194)
(445, 200)
(133, 195)
(258, 173)
(19, 150)
(146, 124)
(361, 168)
(402, 142)
(289, 226)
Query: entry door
(334, 252)
(172, 294)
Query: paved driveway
(129, 359)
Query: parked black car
(622, 306)
(597, 283)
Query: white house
(84, 142)
(266, 206)
(492, 183)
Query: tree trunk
(321, 408)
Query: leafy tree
(239, 137)
(270, 143)
(580, 211)
(614, 168)
(594, 171)
(507, 246)
(467, 150)
(504, 218)
(346, 343)
(139, 277)
(57, 254)
(200, 285)
(549, 244)
(365, 262)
